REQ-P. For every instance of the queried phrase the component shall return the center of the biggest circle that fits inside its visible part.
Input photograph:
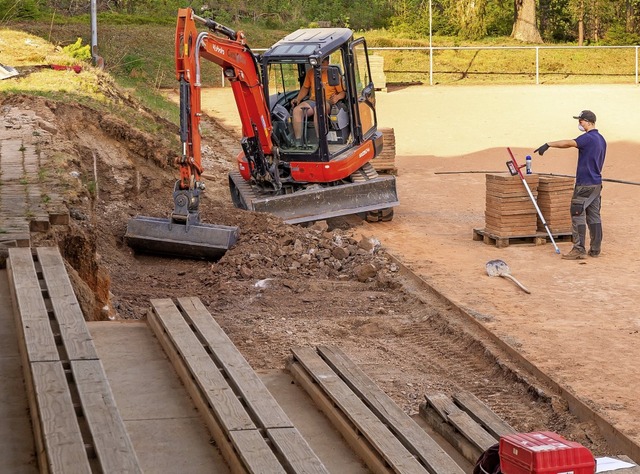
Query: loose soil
(283, 286)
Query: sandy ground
(580, 323)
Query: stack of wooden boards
(377, 72)
(554, 201)
(385, 162)
(509, 210)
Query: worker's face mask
(580, 127)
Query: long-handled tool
(514, 169)
(500, 268)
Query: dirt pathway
(580, 323)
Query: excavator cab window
(284, 83)
(327, 130)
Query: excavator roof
(308, 43)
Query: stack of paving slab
(385, 162)
(554, 201)
(509, 211)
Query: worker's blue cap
(586, 115)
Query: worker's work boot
(578, 252)
(595, 235)
(575, 254)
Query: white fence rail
(432, 49)
(536, 49)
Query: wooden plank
(482, 414)
(257, 397)
(63, 443)
(227, 408)
(223, 443)
(73, 328)
(255, 453)
(461, 421)
(414, 438)
(294, 451)
(442, 404)
(470, 452)
(110, 438)
(471, 430)
(361, 446)
(253, 392)
(32, 317)
(389, 447)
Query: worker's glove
(542, 149)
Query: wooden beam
(111, 441)
(375, 431)
(414, 438)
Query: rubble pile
(280, 249)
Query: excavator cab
(323, 159)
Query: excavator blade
(320, 203)
(196, 240)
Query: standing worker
(585, 202)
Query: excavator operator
(301, 108)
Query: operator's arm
(557, 144)
(304, 90)
(336, 97)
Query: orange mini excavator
(325, 172)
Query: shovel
(500, 268)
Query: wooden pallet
(465, 422)
(76, 424)
(250, 428)
(502, 241)
(384, 437)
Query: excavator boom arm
(239, 66)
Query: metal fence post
(636, 65)
(537, 65)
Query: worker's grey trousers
(585, 211)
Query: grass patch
(503, 66)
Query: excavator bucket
(194, 240)
(320, 203)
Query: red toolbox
(544, 452)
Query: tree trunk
(581, 24)
(471, 18)
(580, 32)
(524, 27)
